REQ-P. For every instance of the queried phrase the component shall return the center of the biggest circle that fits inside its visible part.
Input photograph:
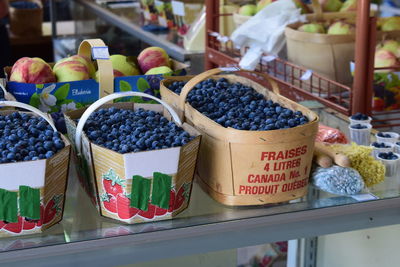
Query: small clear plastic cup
(361, 136)
(394, 137)
(391, 165)
(397, 147)
(377, 150)
(353, 121)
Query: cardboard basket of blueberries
(35, 159)
(137, 160)
(257, 146)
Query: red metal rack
(339, 97)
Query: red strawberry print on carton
(52, 209)
(124, 210)
(109, 202)
(149, 213)
(183, 193)
(112, 183)
(14, 227)
(29, 224)
(161, 211)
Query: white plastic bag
(264, 32)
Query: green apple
(312, 28)
(330, 5)
(159, 70)
(247, 10)
(384, 59)
(349, 5)
(340, 27)
(391, 24)
(123, 66)
(392, 46)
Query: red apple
(153, 57)
(32, 70)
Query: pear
(312, 28)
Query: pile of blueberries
(359, 126)
(59, 121)
(126, 131)
(380, 134)
(24, 137)
(239, 106)
(24, 5)
(388, 155)
(359, 116)
(379, 145)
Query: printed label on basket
(178, 8)
(365, 197)
(100, 52)
(270, 170)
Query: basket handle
(105, 69)
(30, 108)
(202, 76)
(318, 13)
(106, 99)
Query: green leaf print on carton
(142, 85)
(62, 92)
(34, 101)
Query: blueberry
(49, 154)
(358, 126)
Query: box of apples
(74, 82)
(326, 42)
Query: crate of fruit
(257, 146)
(140, 163)
(325, 43)
(35, 160)
(74, 82)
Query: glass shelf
(82, 223)
(131, 21)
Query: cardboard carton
(134, 187)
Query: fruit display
(240, 107)
(126, 131)
(388, 156)
(156, 156)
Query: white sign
(100, 52)
(146, 163)
(178, 8)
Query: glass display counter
(84, 237)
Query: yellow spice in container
(372, 171)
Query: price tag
(178, 8)
(100, 52)
(364, 197)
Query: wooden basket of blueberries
(34, 164)
(140, 158)
(257, 146)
